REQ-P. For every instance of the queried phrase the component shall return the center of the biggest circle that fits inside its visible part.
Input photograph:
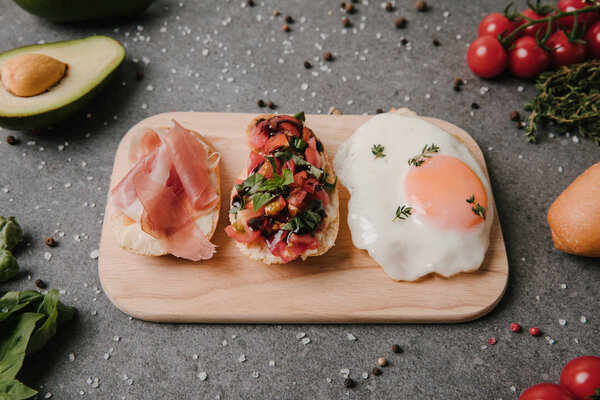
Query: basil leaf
(13, 343)
(300, 116)
(12, 389)
(250, 184)
(298, 144)
(8, 265)
(260, 199)
(308, 221)
(48, 329)
(277, 182)
(284, 155)
(271, 161)
(330, 186)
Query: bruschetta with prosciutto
(284, 204)
(169, 201)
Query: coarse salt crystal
(562, 322)
(300, 335)
(202, 375)
(94, 254)
(351, 337)
(305, 341)
(271, 363)
(583, 319)
(47, 255)
(242, 358)
(255, 374)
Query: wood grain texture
(344, 285)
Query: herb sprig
(569, 98)
(419, 159)
(477, 208)
(402, 212)
(377, 150)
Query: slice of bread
(129, 234)
(327, 232)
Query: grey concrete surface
(223, 56)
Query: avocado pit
(31, 74)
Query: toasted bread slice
(327, 232)
(129, 234)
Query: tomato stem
(506, 41)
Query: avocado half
(83, 10)
(91, 63)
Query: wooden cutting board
(344, 285)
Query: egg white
(412, 248)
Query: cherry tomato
(546, 391)
(534, 29)
(495, 24)
(563, 52)
(527, 60)
(586, 18)
(581, 376)
(486, 57)
(592, 37)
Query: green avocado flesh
(91, 63)
(83, 10)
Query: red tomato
(495, 24)
(546, 391)
(486, 57)
(527, 60)
(259, 135)
(586, 18)
(321, 195)
(254, 160)
(312, 156)
(592, 37)
(581, 376)
(534, 29)
(564, 52)
(274, 143)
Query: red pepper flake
(286, 28)
(50, 242)
(346, 22)
(328, 56)
(349, 8)
(10, 139)
(515, 327)
(492, 341)
(276, 13)
(535, 331)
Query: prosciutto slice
(168, 189)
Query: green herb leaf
(402, 213)
(471, 199)
(11, 233)
(569, 99)
(12, 389)
(44, 333)
(260, 199)
(13, 342)
(272, 161)
(377, 150)
(330, 187)
(250, 185)
(300, 116)
(308, 220)
(8, 265)
(298, 144)
(419, 159)
(478, 209)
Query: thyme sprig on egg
(403, 212)
(477, 208)
(377, 150)
(425, 154)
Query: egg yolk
(439, 190)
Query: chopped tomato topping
(275, 142)
(306, 134)
(299, 178)
(266, 169)
(289, 128)
(275, 206)
(296, 197)
(295, 245)
(289, 164)
(312, 156)
(240, 234)
(259, 135)
(254, 160)
(310, 184)
(321, 195)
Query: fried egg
(430, 215)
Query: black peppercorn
(349, 383)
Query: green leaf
(8, 265)
(308, 221)
(13, 342)
(273, 163)
(11, 233)
(44, 333)
(298, 144)
(12, 389)
(260, 199)
(330, 187)
(250, 184)
(300, 116)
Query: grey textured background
(250, 57)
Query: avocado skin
(83, 10)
